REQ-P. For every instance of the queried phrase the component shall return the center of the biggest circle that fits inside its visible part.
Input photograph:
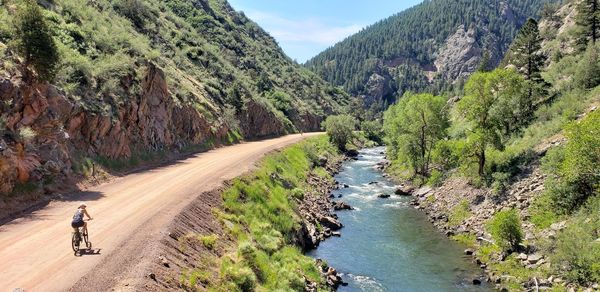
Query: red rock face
(63, 128)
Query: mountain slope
(428, 46)
(137, 79)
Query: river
(386, 245)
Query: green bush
(505, 228)
(501, 182)
(436, 178)
(573, 169)
(35, 43)
(340, 129)
(459, 213)
(209, 241)
(373, 130)
(576, 250)
(587, 75)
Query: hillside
(510, 165)
(427, 47)
(137, 80)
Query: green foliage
(261, 206)
(459, 213)
(340, 129)
(436, 178)
(525, 53)
(209, 241)
(573, 169)
(505, 228)
(588, 22)
(36, 44)
(281, 101)
(587, 75)
(373, 130)
(136, 10)
(413, 127)
(542, 211)
(576, 250)
(411, 40)
(493, 107)
(210, 54)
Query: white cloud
(309, 30)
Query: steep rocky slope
(429, 46)
(138, 80)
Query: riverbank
(462, 211)
(252, 233)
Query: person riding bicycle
(78, 218)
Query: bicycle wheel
(75, 241)
(88, 243)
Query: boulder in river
(352, 153)
(339, 205)
(383, 196)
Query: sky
(305, 28)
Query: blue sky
(305, 28)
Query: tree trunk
(482, 163)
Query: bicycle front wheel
(88, 243)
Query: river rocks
(352, 153)
(469, 251)
(534, 258)
(333, 279)
(404, 190)
(383, 196)
(339, 205)
(322, 161)
(423, 191)
(330, 222)
(476, 281)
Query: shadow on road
(88, 252)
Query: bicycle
(78, 237)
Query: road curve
(35, 251)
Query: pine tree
(36, 44)
(525, 53)
(588, 20)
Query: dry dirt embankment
(130, 215)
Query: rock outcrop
(47, 137)
(463, 53)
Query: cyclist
(78, 218)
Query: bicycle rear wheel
(75, 240)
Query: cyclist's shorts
(77, 224)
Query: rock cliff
(143, 80)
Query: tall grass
(262, 209)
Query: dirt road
(35, 251)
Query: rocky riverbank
(319, 222)
(461, 211)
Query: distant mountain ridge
(428, 46)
